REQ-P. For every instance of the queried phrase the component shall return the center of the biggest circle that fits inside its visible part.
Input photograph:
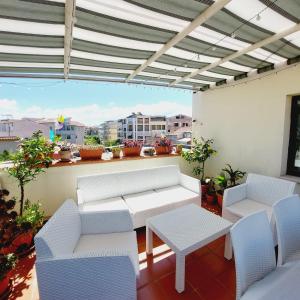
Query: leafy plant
(32, 214)
(34, 154)
(7, 263)
(92, 140)
(222, 182)
(5, 155)
(201, 151)
(163, 142)
(233, 175)
(211, 189)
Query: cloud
(93, 114)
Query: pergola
(190, 44)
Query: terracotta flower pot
(4, 287)
(23, 238)
(178, 149)
(131, 151)
(210, 199)
(65, 155)
(87, 154)
(162, 150)
(220, 199)
(203, 191)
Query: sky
(88, 102)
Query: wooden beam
(70, 9)
(208, 13)
(250, 48)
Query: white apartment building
(141, 127)
(108, 131)
(72, 131)
(178, 121)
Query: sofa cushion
(148, 179)
(116, 203)
(248, 206)
(98, 187)
(177, 193)
(121, 243)
(61, 233)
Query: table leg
(228, 247)
(180, 272)
(149, 240)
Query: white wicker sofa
(144, 193)
(87, 255)
(259, 192)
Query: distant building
(9, 143)
(108, 131)
(91, 130)
(71, 132)
(141, 127)
(178, 121)
(21, 128)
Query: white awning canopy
(190, 44)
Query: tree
(32, 157)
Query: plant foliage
(233, 175)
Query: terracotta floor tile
(150, 292)
(228, 279)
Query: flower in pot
(65, 152)
(7, 263)
(116, 151)
(132, 148)
(88, 152)
(201, 151)
(233, 175)
(163, 146)
(211, 191)
(222, 182)
(31, 159)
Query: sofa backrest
(267, 189)
(61, 233)
(103, 186)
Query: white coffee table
(185, 230)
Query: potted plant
(91, 152)
(233, 175)
(7, 263)
(116, 151)
(211, 191)
(30, 222)
(8, 225)
(149, 151)
(201, 151)
(163, 146)
(65, 152)
(179, 148)
(32, 157)
(132, 148)
(222, 182)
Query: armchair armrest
(234, 194)
(92, 277)
(79, 197)
(190, 183)
(106, 221)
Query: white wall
(59, 183)
(249, 122)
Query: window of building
(140, 120)
(129, 127)
(140, 137)
(140, 128)
(147, 128)
(293, 163)
(68, 137)
(153, 127)
(146, 120)
(176, 124)
(163, 127)
(177, 117)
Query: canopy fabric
(127, 40)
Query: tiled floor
(208, 274)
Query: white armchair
(87, 255)
(287, 218)
(258, 193)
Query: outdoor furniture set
(89, 251)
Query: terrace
(240, 61)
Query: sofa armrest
(106, 221)
(234, 194)
(91, 277)
(190, 183)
